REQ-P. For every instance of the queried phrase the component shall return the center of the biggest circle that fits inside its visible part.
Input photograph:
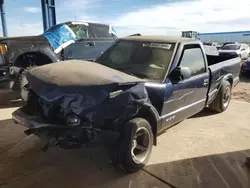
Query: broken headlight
(73, 120)
(115, 93)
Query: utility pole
(48, 13)
(3, 18)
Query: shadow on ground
(9, 99)
(220, 170)
(23, 164)
(245, 78)
(204, 112)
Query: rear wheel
(134, 147)
(222, 100)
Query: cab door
(83, 48)
(103, 37)
(183, 98)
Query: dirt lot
(242, 90)
(207, 150)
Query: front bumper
(35, 124)
(32, 122)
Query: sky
(148, 17)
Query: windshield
(147, 60)
(231, 47)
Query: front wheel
(222, 100)
(133, 150)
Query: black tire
(23, 81)
(121, 153)
(22, 78)
(222, 100)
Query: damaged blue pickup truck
(140, 86)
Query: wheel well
(146, 114)
(230, 80)
(31, 59)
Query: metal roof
(223, 33)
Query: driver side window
(80, 30)
(193, 59)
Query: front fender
(44, 51)
(148, 112)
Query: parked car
(245, 67)
(139, 87)
(243, 50)
(69, 40)
(225, 43)
(211, 50)
(215, 44)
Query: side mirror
(180, 73)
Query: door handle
(206, 81)
(90, 44)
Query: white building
(237, 36)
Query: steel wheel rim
(226, 97)
(141, 145)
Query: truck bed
(219, 66)
(214, 59)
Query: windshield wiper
(123, 68)
(142, 75)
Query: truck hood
(75, 77)
(21, 38)
(93, 92)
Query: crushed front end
(72, 114)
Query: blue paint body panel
(187, 97)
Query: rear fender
(213, 94)
(229, 78)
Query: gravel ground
(242, 90)
(207, 150)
